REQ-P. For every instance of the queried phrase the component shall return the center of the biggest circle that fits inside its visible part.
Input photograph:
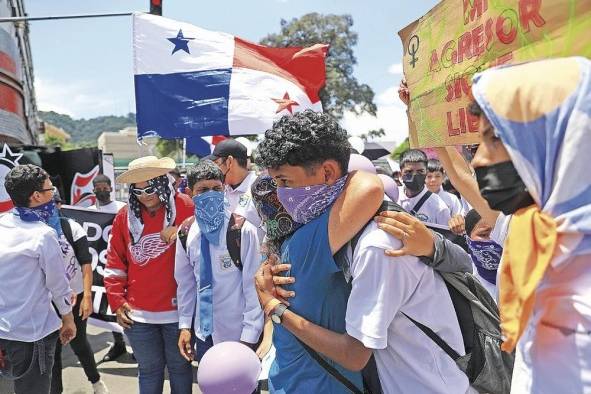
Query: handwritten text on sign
(458, 38)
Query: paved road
(120, 376)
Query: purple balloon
(361, 163)
(390, 187)
(229, 367)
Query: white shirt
(501, 228)
(433, 210)
(32, 275)
(452, 201)
(237, 314)
(554, 353)
(112, 207)
(240, 200)
(465, 205)
(71, 263)
(382, 288)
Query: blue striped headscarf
(541, 111)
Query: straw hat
(146, 168)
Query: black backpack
(489, 369)
(233, 236)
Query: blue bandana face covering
(209, 213)
(486, 256)
(46, 213)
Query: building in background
(124, 146)
(19, 124)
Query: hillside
(85, 132)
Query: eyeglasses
(147, 190)
(51, 189)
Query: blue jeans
(155, 346)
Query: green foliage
(170, 148)
(373, 134)
(85, 132)
(342, 91)
(403, 147)
(59, 142)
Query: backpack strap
(435, 338)
(183, 232)
(420, 203)
(234, 239)
(330, 369)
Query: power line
(58, 17)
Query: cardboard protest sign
(458, 38)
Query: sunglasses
(147, 190)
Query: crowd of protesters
(344, 276)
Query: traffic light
(156, 7)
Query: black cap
(471, 220)
(227, 148)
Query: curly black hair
(204, 170)
(305, 139)
(22, 181)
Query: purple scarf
(308, 202)
(486, 256)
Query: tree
(342, 91)
(59, 142)
(372, 134)
(85, 132)
(170, 148)
(400, 149)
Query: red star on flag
(285, 103)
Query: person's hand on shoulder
(417, 239)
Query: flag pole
(184, 153)
(58, 17)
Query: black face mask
(414, 182)
(103, 196)
(502, 187)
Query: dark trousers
(30, 363)
(82, 350)
(118, 338)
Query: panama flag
(192, 82)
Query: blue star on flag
(180, 42)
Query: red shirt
(143, 274)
